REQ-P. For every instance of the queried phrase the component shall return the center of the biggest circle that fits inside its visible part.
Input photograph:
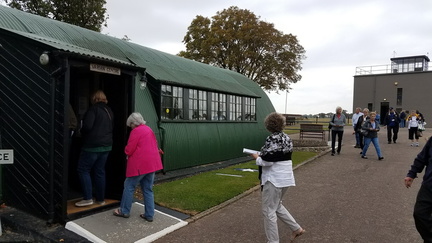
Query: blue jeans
(375, 142)
(87, 162)
(146, 182)
(357, 136)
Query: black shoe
(145, 218)
(380, 158)
(389, 142)
(394, 141)
(361, 152)
(332, 154)
(338, 153)
(364, 157)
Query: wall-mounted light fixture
(396, 83)
(384, 99)
(44, 58)
(143, 80)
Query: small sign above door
(104, 69)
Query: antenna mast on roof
(394, 53)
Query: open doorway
(118, 89)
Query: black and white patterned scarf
(277, 145)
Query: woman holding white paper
(277, 176)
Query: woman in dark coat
(97, 131)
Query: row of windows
(179, 103)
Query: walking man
(355, 118)
(402, 118)
(392, 122)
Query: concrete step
(105, 227)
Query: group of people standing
(143, 157)
(276, 173)
(366, 127)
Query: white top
(413, 122)
(280, 173)
(355, 118)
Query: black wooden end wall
(32, 125)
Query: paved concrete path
(105, 228)
(341, 198)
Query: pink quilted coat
(142, 151)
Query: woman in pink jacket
(143, 161)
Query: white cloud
(338, 36)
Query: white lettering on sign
(6, 156)
(104, 69)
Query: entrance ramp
(105, 227)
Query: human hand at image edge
(408, 181)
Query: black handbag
(330, 125)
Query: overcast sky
(338, 36)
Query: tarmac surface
(341, 198)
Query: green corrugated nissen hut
(200, 114)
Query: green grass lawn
(200, 192)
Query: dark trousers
(395, 130)
(340, 135)
(361, 140)
(422, 213)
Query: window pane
(399, 97)
(250, 109)
(202, 105)
(219, 102)
(171, 102)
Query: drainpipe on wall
(51, 151)
(162, 141)
(54, 75)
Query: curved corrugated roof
(161, 66)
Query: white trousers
(273, 209)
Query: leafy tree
(236, 39)
(321, 115)
(89, 14)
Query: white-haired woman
(338, 122)
(143, 161)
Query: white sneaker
(101, 202)
(412, 145)
(417, 144)
(84, 203)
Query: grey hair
(365, 110)
(274, 122)
(136, 119)
(337, 108)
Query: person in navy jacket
(392, 121)
(423, 206)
